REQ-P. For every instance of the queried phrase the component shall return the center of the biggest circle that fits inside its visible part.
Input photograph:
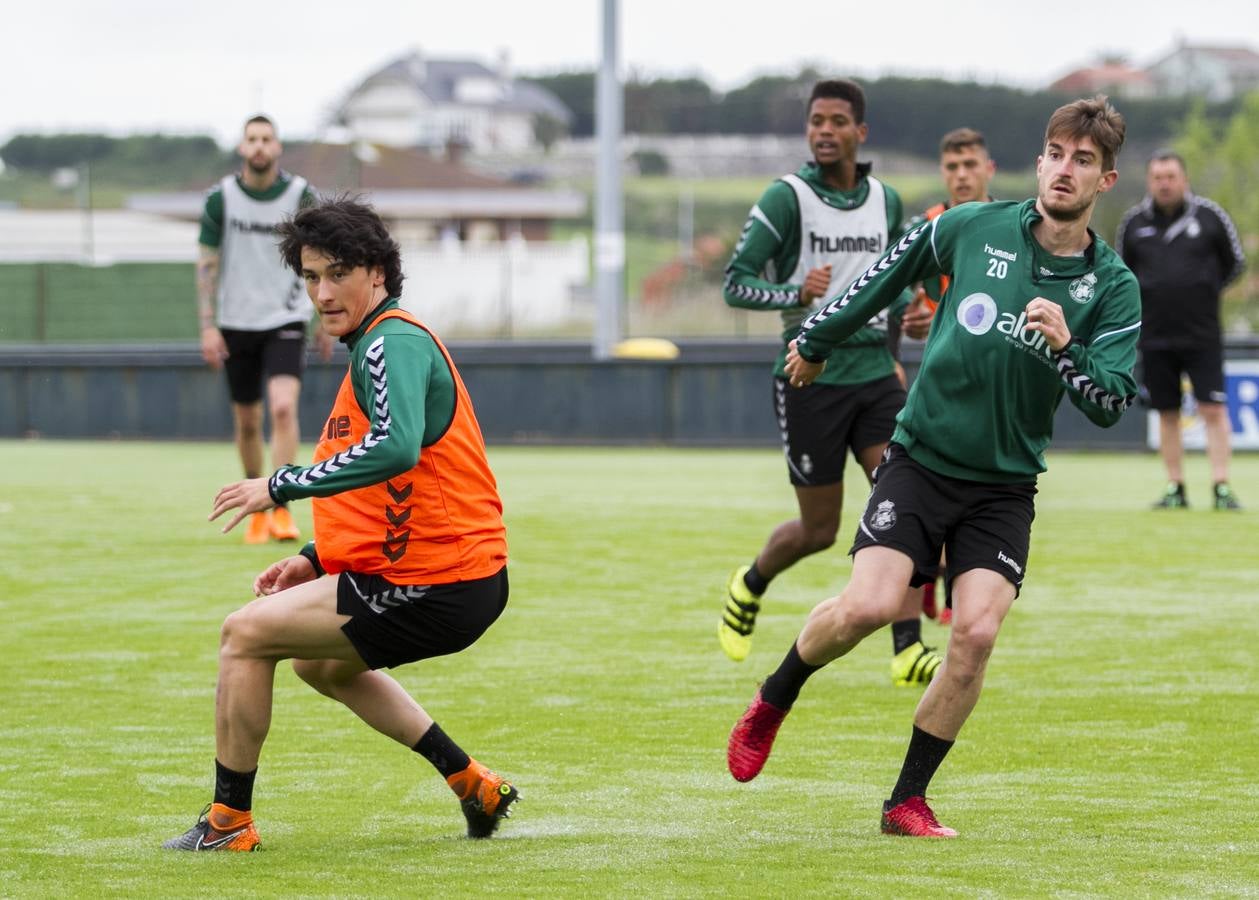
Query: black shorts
(917, 511)
(1162, 369)
(250, 354)
(821, 422)
(395, 624)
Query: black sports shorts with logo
(394, 624)
(251, 354)
(1162, 367)
(820, 423)
(917, 511)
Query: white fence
(497, 289)
(489, 289)
(94, 237)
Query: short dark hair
(1163, 154)
(1095, 119)
(961, 138)
(259, 119)
(840, 89)
(346, 230)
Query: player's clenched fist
(816, 284)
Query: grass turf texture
(1113, 751)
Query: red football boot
(752, 738)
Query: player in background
(966, 169)
(1038, 307)
(252, 310)
(810, 234)
(409, 557)
(1184, 250)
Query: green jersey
(212, 213)
(415, 414)
(799, 224)
(983, 405)
(256, 290)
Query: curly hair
(346, 230)
(841, 89)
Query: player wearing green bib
(1039, 307)
(252, 311)
(811, 233)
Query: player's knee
(970, 645)
(249, 427)
(315, 673)
(239, 635)
(852, 617)
(283, 411)
(817, 538)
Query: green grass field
(1114, 751)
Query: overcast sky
(129, 66)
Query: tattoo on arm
(207, 284)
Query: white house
(416, 101)
(1215, 73)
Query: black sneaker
(1225, 498)
(1173, 497)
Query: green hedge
(125, 302)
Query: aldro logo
(825, 243)
(978, 314)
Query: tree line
(907, 115)
(137, 159)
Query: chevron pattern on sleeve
(888, 260)
(374, 361)
(761, 296)
(1239, 255)
(1088, 388)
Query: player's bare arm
(1046, 317)
(816, 283)
(213, 348)
(799, 370)
(249, 496)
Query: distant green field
(1113, 752)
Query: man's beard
(260, 169)
(1068, 214)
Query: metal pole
(85, 203)
(686, 225)
(609, 209)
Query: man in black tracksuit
(1184, 250)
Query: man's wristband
(806, 356)
(309, 552)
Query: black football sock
(926, 752)
(755, 581)
(783, 687)
(445, 755)
(906, 633)
(234, 789)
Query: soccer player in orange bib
(409, 557)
